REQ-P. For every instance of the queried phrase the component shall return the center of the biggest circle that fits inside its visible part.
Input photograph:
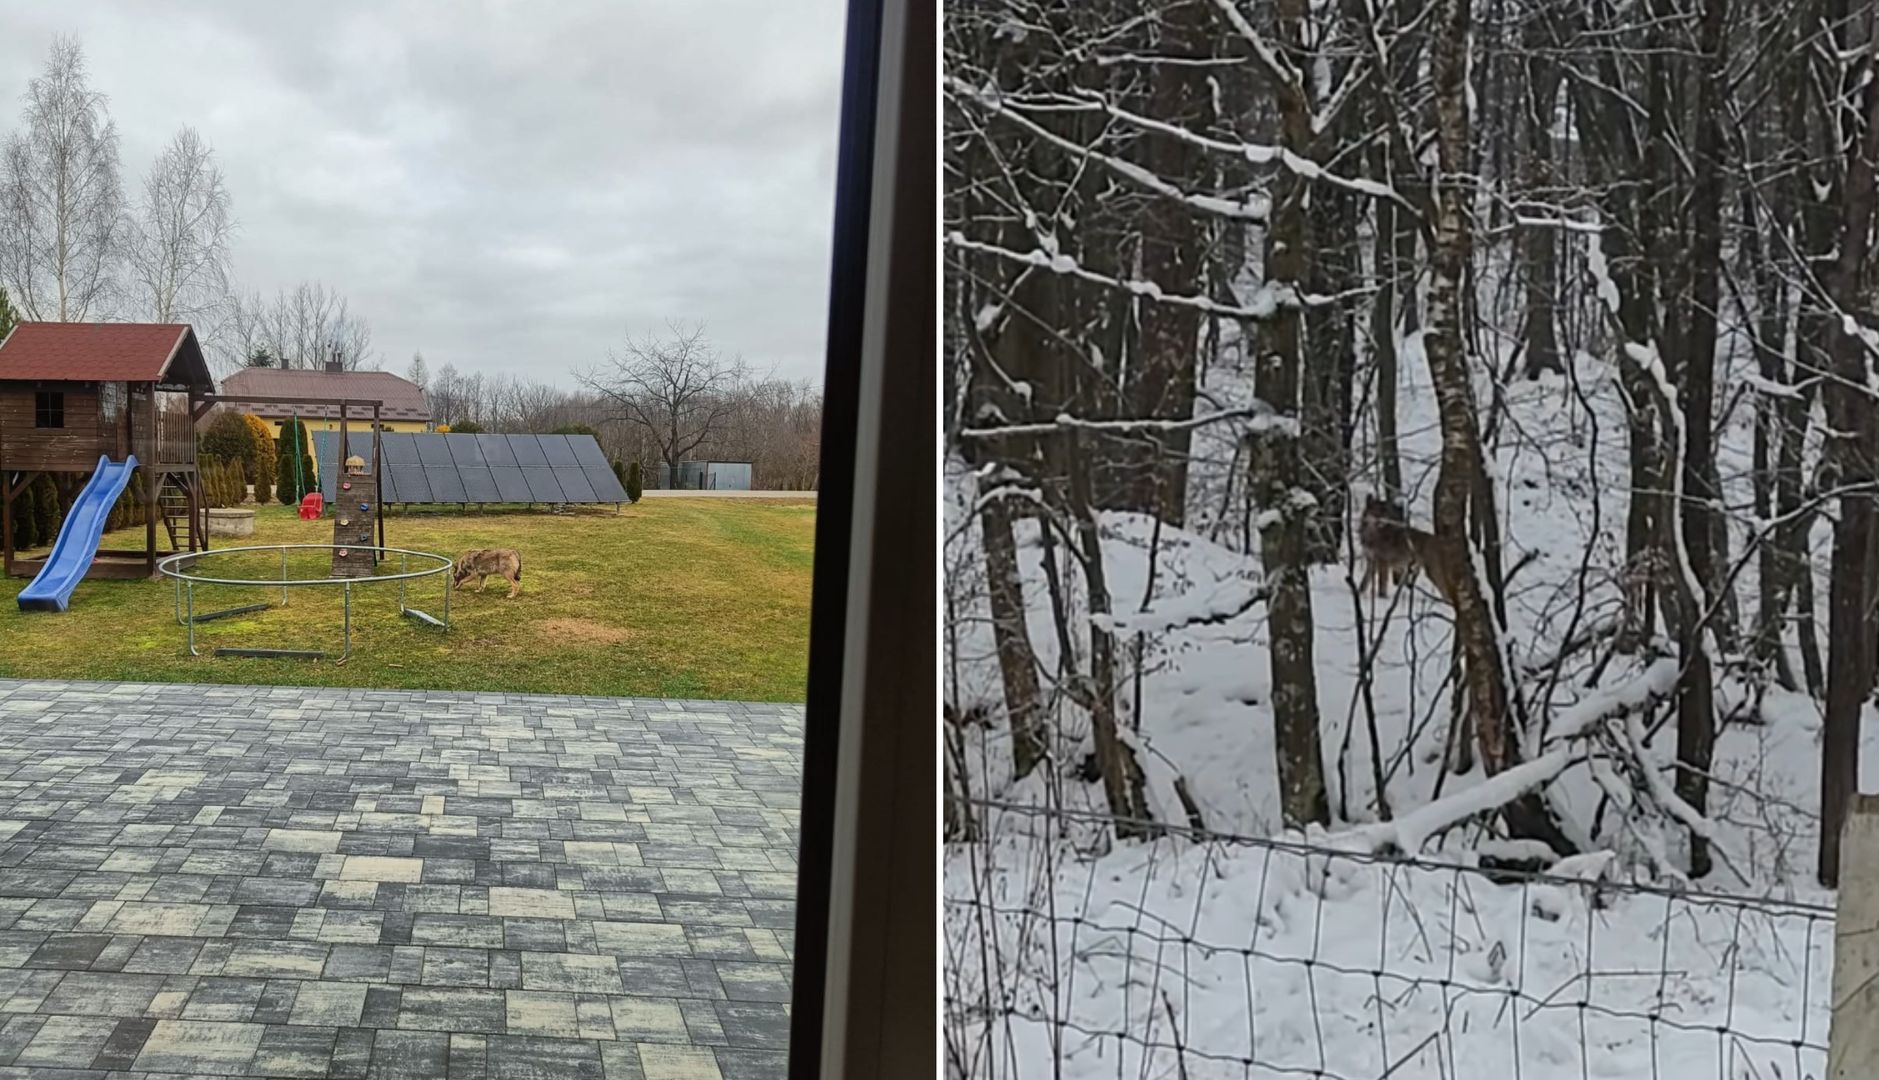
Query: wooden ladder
(173, 501)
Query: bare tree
(445, 393)
(473, 401)
(418, 373)
(302, 327)
(775, 425)
(179, 241)
(680, 389)
(61, 232)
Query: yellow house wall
(357, 425)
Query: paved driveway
(259, 881)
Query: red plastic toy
(312, 506)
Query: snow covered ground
(1207, 961)
(1190, 949)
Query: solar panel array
(478, 468)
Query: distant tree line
(663, 400)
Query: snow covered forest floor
(1126, 960)
(1567, 310)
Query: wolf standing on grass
(505, 563)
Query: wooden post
(150, 489)
(378, 477)
(1853, 1031)
(6, 526)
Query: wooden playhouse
(71, 392)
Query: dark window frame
(862, 995)
(48, 410)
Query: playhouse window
(48, 409)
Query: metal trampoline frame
(185, 584)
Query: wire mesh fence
(1203, 957)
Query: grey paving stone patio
(261, 881)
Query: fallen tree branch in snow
(1581, 723)
(1196, 608)
(1653, 684)
(1408, 833)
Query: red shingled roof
(103, 352)
(401, 398)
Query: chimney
(333, 362)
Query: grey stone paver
(263, 881)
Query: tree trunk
(1850, 652)
(1696, 719)
(1325, 387)
(1815, 194)
(1639, 619)
(1121, 773)
(1618, 167)
(1016, 663)
(1539, 242)
(1284, 535)
(1770, 469)
(959, 825)
(1489, 703)
(1163, 380)
(1383, 330)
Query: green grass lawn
(680, 598)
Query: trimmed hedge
(262, 467)
(285, 489)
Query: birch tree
(180, 236)
(1461, 493)
(62, 230)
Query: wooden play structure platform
(71, 393)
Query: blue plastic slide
(78, 539)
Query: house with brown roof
(403, 404)
(71, 393)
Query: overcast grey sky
(504, 185)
